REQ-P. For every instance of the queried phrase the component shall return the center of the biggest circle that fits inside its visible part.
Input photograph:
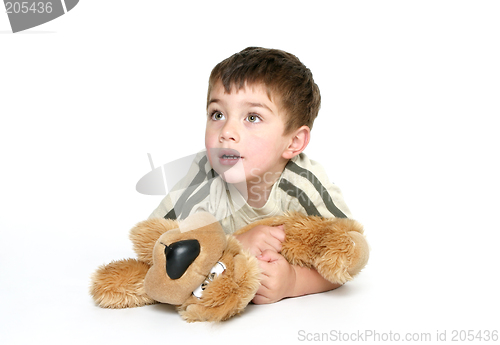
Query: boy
(260, 110)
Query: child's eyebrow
(259, 105)
(213, 100)
(248, 104)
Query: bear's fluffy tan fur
(335, 247)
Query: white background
(408, 129)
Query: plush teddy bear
(207, 274)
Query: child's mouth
(229, 157)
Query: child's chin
(231, 173)
(233, 177)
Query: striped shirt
(302, 186)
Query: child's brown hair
(286, 79)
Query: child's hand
(277, 279)
(262, 238)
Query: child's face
(249, 123)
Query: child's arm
(280, 279)
(261, 238)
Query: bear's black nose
(180, 255)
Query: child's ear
(299, 139)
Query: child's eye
(217, 115)
(253, 118)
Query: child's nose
(229, 133)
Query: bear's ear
(145, 234)
(120, 284)
(182, 260)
